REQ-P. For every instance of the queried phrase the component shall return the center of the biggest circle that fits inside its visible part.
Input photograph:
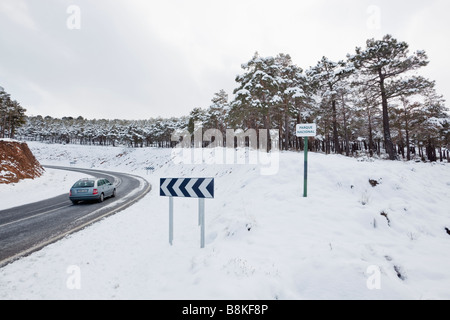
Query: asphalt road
(30, 227)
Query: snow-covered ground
(347, 240)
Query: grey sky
(138, 59)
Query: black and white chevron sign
(187, 187)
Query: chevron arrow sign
(187, 187)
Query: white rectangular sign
(306, 130)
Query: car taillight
(95, 191)
(70, 193)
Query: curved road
(31, 227)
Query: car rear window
(84, 184)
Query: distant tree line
(68, 130)
(374, 102)
(12, 115)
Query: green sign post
(305, 174)
(306, 131)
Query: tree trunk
(371, 143)
(347, 147)
(401, 145)
(328, 146)
(431, 151)
(408, 144)
(337, 147)
(387, 131)
(286, 130)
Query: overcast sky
(137, 59)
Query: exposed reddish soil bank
(17, 162)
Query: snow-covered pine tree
(326, 78)
(290, 91)
(409, 114)
(198, 116)
(256, 95)
(5, 101)
(434, 127)
(385, 61)
(12, 115)
(218, 112)
(344, 98)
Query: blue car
(91, 190)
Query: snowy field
(347, 240)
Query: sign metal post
(306, 131)
(305, 174)
(171, 220)
(201, 188)
(201, 208)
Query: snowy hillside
(263, 239)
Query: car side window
(100, 183)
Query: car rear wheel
(102, 198)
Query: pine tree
(385, 61)
(435, 119)
(12, 115)
(256, 97)
(290, 91)
(5, 101)
(327, 77)
(217, 113)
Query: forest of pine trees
(373, 102)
